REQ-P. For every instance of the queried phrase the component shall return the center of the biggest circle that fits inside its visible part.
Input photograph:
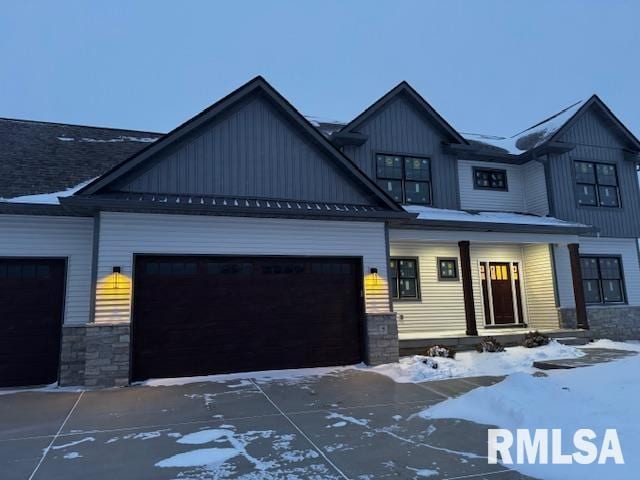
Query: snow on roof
(430, 213)
(530, 138)
(47, 198)
(118, 139)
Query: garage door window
(226, 268)
(171, 268)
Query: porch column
(467, 288)
(578, 287)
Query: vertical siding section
(564, 280)
(41, 236)
(512, 200)
(440, 307)
(400, 128)
(539, 286)
(254, 151)
(535, 188)
(595, 141)
(122, 235)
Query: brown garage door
(31, 305)
(197, 315)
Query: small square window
(491, 179)
(447, 269)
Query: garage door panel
(225, 314)
(31, 309)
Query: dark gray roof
(43, 157)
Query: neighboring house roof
(326, 127)
(101, 184)
(403, 88)
(549, 129)
(42, 157)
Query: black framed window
(602, 279)
(597, 184)
(490, 179)
(406, 179)
(447, 269)
(403, 274)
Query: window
(404, 278)
(490, 179)
(447, 269)
(602, 279)
(406, 179)
(597, 184)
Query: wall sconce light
(373, 270)
(116, 269)
(116, 274)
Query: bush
(441, 351)
(489, 344)
(535, 339)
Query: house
(250, 238)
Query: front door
(501, 293)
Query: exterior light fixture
(373, 270)
(116, 269)
(116, 275)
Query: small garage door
(198, 315)
(31, 306)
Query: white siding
(441, 304)
(482, 199)
(43, 236)
(539, 285)
(440, 307)
(122, 235)
(535, 188)
(527, 189)
(625, 247)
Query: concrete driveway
(349, 424)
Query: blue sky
(487, 66)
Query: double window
(490, 179)
(403, 273)
(597, 184)
(602, 279)
(406, 179)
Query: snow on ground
(292, 375)
(597, 397)
(633, 345)
(53, 388)
(47, 198)
(474, 364)
(431, 213)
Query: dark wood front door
(31, 306)
(501, 293)
(200, 315)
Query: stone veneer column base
(95, 355)
(381, 338)
(615, 322)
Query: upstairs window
(602, 279)
(404, 278)
(490, 179)
(406, 179)
(597, 184)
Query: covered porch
(454, 286)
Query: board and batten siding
(400, 128)
(624, 247)
(526, 188)
(68, 237)
(441, 306)
(122, 235)
(595, 142)
(253, 151)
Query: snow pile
(430, 213)
(472, 364)
(631, 345)
(598, 397)
(47, 198)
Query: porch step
(573, 340)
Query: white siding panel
(539, 286)
(441, 305)
(122, 235)
(43, 236)
(512, 200)
(535, 188)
